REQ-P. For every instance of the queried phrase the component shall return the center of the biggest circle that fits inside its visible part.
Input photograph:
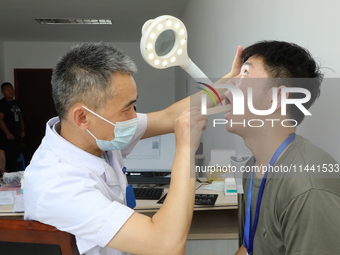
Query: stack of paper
(8, 198)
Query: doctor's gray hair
(84, 74)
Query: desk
(208, 221)
(213, 228)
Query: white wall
(156, 89)
(216, 27)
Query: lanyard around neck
(249, 233)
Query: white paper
(221, 157)
(7, 197)
(19, 204)
(215, 185)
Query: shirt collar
(69, 152)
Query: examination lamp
(164, 44)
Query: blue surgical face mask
(123, 132)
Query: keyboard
(148, 193)
(148, 177)
(205, 199)
(200, 199)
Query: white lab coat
(78, 192)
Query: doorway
(33, 90)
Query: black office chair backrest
(34, 238)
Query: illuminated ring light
(164, 42)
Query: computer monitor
(151, 160)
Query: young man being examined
(299, 211)
(75, 179)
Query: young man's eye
(244, 72)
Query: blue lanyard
(249, 233)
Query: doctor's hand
(188, 128)
(237, 64)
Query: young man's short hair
(285, 62)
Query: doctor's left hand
(237, 64)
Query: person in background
(284, 212)
(12, 127)
(2, 161)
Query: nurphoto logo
(238, 104)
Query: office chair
(34, 238)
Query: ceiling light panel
(74, 21)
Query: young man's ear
(279, 96)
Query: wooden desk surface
(223, 202)
(218, 222)
(209, 222)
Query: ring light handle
(193, 70)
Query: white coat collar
(71, 153)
